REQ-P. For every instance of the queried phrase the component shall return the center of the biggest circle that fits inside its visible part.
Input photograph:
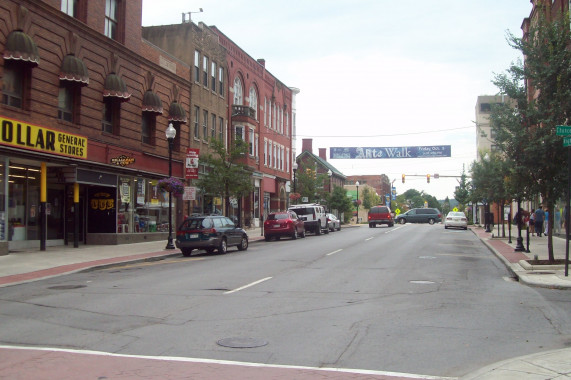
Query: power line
(388, 135)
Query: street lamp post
(170, 133)
(357, 184)
(294, 167)
(329, 174)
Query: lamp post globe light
(170, 133)
(357, 184)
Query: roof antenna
(184, 20)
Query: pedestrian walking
(539, 217)
(532, 223)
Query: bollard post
(527, 243)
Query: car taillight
(209, 231)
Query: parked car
(420, 215)
(333, 223)
(285, 223)
(456, 219)
(313, 216)
(380, 215)
(210, 233)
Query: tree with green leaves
(525, 130)
(369, 198)
(340, 201)
(310, 184)
(226, 176)
(462, 192)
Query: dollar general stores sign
(26, 136)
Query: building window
(148, 128)
(221, 129)
(238, 92)
(270, 153)
(196, 122)
(69, 7)
(213, 127)
(13, 84)
(239, 132)
(213, 76)
(287, 160)
(111, 116)
(66, 103)
(265, 111)
(251, 137)
(111, 25)
(287, 123)
(485, 107)
(221, 81)
(196, 66)
(254, 101)
(205, 125)
(205, 71)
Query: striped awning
(176, 112)
(152, 103)
(115, 87)
(20, 47)
(73, 69)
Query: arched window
(238, 93)
(254, 100)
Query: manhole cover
(426, 257)
(67, 287)
(241, 342)
(538, 272)
(421, 282)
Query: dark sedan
(210, 233)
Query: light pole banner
(191, 163)
(432, 151)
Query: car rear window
(303, 211)
(195, 224)
(378, 210)
(277, 216)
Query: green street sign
(567, 141)
(563, 130)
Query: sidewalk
(547, 276)
(27, 266)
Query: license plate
(193, 236)
(276, 226)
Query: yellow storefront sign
(26, 136)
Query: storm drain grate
(241, 342)
(67, 287)
(539, 272)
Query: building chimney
(307, 145)
(262, 61)
(323, 153)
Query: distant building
(484, 133)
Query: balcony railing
(243, 111)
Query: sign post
(565, 130)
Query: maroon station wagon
(284, 223)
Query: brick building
(85, 105)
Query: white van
(313, 216)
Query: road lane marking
(372, 237)
(247, 286)
(334, 252)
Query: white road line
(228, 362)
(247, 286)
(372, 237)
(334, 252)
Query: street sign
(567, 141)
(563, 130)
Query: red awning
(73, 69)
(269, 185)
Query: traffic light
(403, 178)
(428, 178)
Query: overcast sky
(375, 73)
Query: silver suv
(313, 216)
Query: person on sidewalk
(546, 222)
(539, 217)
(532, 223)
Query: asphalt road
(413, 299)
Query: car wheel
(294, 235)
(339, 228)
(391, 224)
(223, 247)
(326, 231)
(402, 221)
(209, 250)
(445, 227)
(370, 225)
(268, 238)
(430, 221)
(318, 230)
(243, 244)
(465, 228)
(186, 251)
(302, 235)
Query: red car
(284, 223)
